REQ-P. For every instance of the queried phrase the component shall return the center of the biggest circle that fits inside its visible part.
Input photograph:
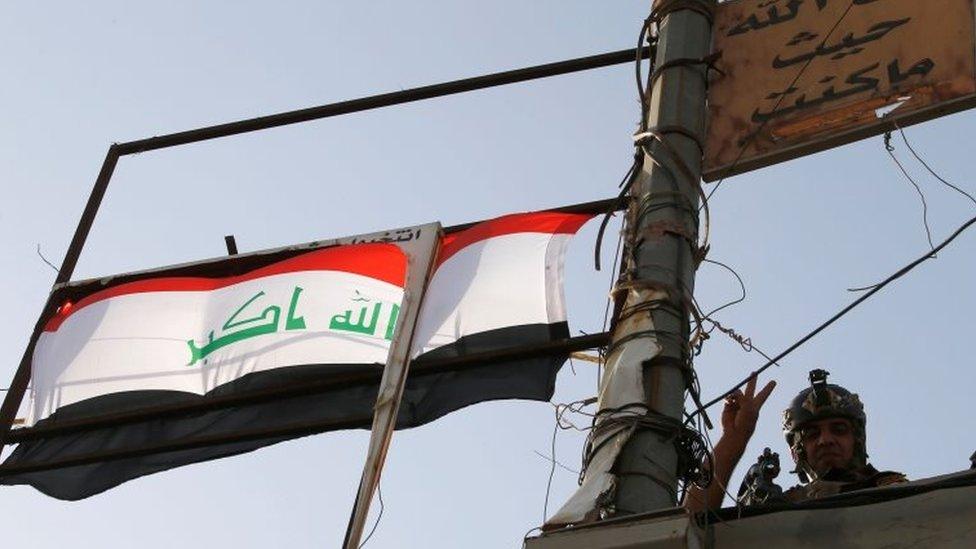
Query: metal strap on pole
(662, 256)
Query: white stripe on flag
(140, 341)
(502, 281)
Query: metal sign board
(801, 76)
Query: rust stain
(881, 53)
(660, 229)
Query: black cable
(930, 170)
(642, 91)
(751, 137)
(925, 206)
(44, 259)
(742, 287)
(625, 185)
(552, 470)
(379, 492)
(561, 465)
(610, 302)
(900, 273)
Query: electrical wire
(648, 31)
(742, 288)
(44, 259)
(925, 206)
(890, 148)
(379, 492)
(930, 170)
(898, 274)
(562, 466)
(744, 342)
(610, 300)
(562, 423)
(525, 537)
(552, 470)
(751, 137)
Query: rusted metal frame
(18, 387)
(381, 100)
(248, 260)
(841, 138)
(20, 435)
(417, 368)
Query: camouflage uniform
(845, 481)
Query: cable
(561, 465)
(744, 342)
(647, 31)
(900, 273)
(44, 259)
(890, 149)
(525, 537)
(610, 300)
(552, 469)
(561, 409)
(925, 206)
(742, 287)
(751, 137)
(690, 446)
(379, 492)
(931, 171)
(625, 184)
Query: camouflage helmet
(823, 400)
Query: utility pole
(661, 256)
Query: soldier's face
(829, 444)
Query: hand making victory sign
(739, 419)
(741, 411)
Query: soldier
(825, 430)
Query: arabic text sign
(918, 55)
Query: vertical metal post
(15, 395)
(420, 265)
(661, 253)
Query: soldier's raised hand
(741, 410)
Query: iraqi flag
(497, 285)
(316, 328)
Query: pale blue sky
(79, 76)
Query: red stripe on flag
(538, 222)
(384, 262)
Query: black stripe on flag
(426, 398)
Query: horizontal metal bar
(381, 100)
(244, 261)
(417, 368)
